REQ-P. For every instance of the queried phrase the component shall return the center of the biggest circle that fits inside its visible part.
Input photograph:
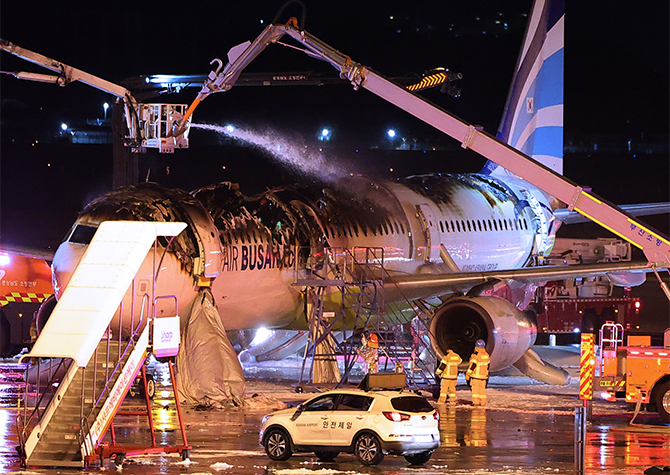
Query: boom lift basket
(156, 121)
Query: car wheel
(277, 445)
(368, 449)
(663, 402)
(326, 456)
(420, 458)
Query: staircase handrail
(132, 340)
(30, 421)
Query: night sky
(616, 85)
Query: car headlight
(265, 418)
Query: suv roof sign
(383, 381)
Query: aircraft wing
(644, 209)
(416, 286)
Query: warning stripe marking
(428, 81)
(28, 297)
(586, 367)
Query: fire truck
(638, 371)
(567, 306)
(25, 283)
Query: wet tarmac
(525, 428)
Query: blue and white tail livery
(533, 118)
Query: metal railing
(360, 275)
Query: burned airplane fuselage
(249, 249)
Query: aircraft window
(397, 229)
(479, 225)
(325, 231)
(442, 226)
(386, 229)
(364, 228)
(374, 230)
(469, 228)
(355, 229)
(525, 224)
(495, 225)
(511, 226)
(402, 228)
(82, 234)
(458, 226)
(500, 226)
(516, 224)
(463, 225)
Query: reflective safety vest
(479, 364)
(448, 367)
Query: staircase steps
(60, 444)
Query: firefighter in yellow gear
(448, 371)
(478, 373)
(369, 352)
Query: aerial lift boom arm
(145, 123)
(68, 74)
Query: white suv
(370, 424)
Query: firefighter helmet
(373, 341)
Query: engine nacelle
(460, 322)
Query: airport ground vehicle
(638, 370)
(568, 306)
(24, 284)
(369, 424)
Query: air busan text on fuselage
(483, 223)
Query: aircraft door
(431, 234)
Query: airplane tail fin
(533, 118)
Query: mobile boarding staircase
(358, 275)
(94, 370)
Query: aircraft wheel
(151, 387)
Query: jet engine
(507, 331)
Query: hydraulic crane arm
(147, 124)
(655, 246)
(68, 74)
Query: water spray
(289, 151)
